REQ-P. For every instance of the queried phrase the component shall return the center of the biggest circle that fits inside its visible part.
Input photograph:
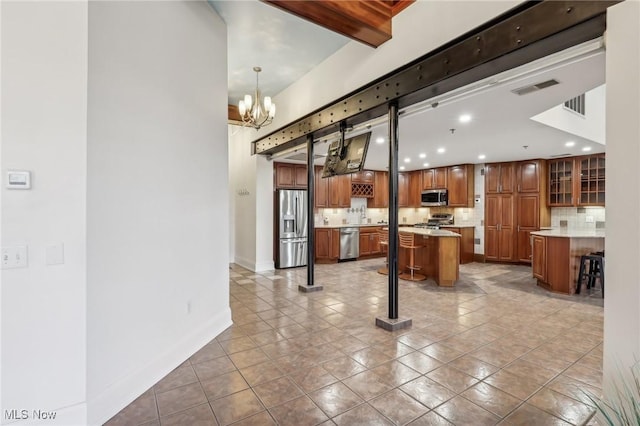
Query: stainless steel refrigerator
(292, 228)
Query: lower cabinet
(369, 241)
(327, 245)
(467, 246)
(539, 257)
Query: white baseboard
(117, 396)
(254, 266)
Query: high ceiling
(501, 128)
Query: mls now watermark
(16, 414)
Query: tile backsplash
(578, 217)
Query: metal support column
(393, 322)
(311, 252)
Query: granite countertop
(571, 233)
(428, 232)
(362, 225)
(457, 226)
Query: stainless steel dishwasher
(349, 243)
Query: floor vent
(535, 87)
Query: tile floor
(495, 349)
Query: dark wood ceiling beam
(366, 21)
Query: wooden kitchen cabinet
(561, 182)
(369, 241)
(528, 220)
(577, 181)
(520, 188)
(499, 227)
(364, 176)
(434, 178)
(539, 252)
(467, 247)
(591, 180)
(380, 198)
(290, 176)
(339, 191)
(499, 178)
(403, 189)
(460, 183)
(327, 245)
(321, 189)
(415, 188)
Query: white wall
(621, 313)
(44, 83)
(420, 28)
(157, 202)
(591, 126)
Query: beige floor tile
(335, 399)
(528, 415)
(452, 379)
(313, 378)
(367, 385)
(492, 399)
(460, 411)
(362, 415)
(224, 385)
(179, 399)
(300, 411)
(236, 407)
(343, 367)
(518, 386)
(200, 415)
(398, 407)
(427, 391)
(278, 391)
(562, 406)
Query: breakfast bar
(438, 255)
(556, 256)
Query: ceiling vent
(302, 156)
(559, 155)
(535, 87)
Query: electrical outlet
(14, 257)
(588, 219)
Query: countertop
(457, 226)
(363, 225)
(428, 232)
(571, 233)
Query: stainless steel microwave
(434, 197)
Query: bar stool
(407, 241)
(383, 235)
(594, 270)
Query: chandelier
(254, 111)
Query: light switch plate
(13, 257)
(55, 254)
(18, 179)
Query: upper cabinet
(380, 191)
(577, 181)
(403, 189)
(460, 183)
(321, 189)
(434, 178)
(290, 176)
(498, 178)
(528, 176)
(340, 191)
(365, 176)
(591, 181)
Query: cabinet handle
(518, 228)
(518, 188)
(500, 188)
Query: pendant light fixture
(256, 112)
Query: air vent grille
(559, 155)
(302, 156)
(576, 105)
(535, 87)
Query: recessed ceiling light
(482, 157)
(407, 160)
(464, 118)
(441, 150)
(401, 167)
(586, 148)
(422, 155)
(425, 165)
(569, 144)
(380, 140)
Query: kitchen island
(438, 257)
(556, 256)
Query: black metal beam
(530, 31)
(393, 211)
(310, 206)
